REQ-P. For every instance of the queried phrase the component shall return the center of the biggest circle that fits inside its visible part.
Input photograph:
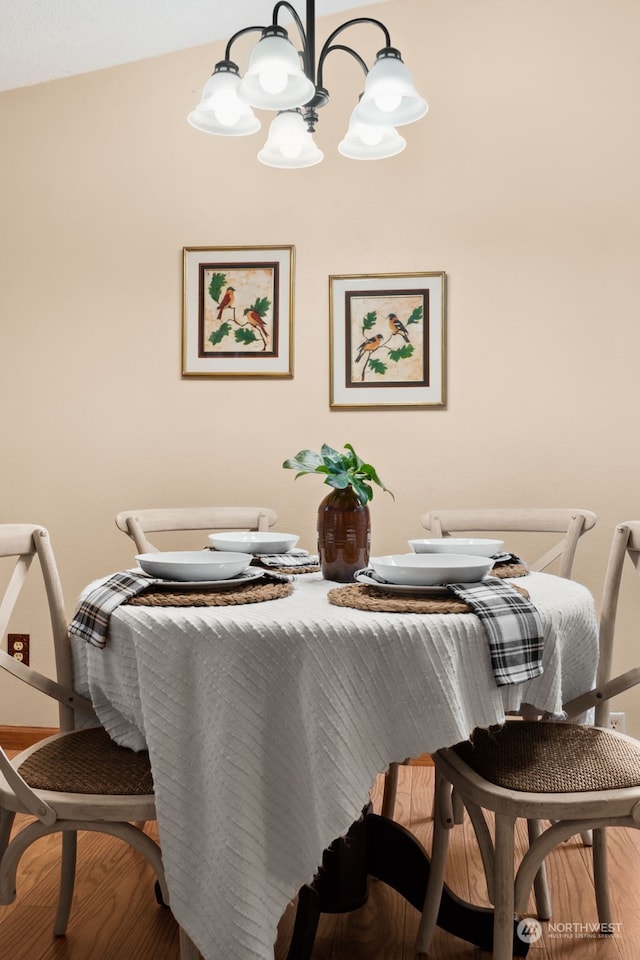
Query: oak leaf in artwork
(217, 282)
(217, 336)
(245, 336)
(261, 306)
(377, 366)
(402, 353)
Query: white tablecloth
(267, 724)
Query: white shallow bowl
(469, 546)
(193, 564)
(431, 569)
(254, 541)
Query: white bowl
(254, 541)
(431, 569)
(469, 546)
(193, 564)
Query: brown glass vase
(344, 535)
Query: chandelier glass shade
(389, 94)
(290, 82)
(221, 110)
(364, 141)
(290, 144)
(275, 79)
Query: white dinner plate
(252, 573)
(406, 589)
(254, 541)
(430, 569)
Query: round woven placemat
(362, 597)
(509, 570)
(213, 598)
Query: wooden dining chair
(568, 522)
(77, 779)
(577, 776)
(138, 523)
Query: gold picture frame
(388, 340)
(237, 312)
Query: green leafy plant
(340, 470)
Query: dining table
(268, 720)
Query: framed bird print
(387, 340)
(237, 315)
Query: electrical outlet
(18, 647)
(617, 722)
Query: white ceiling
(44, 40)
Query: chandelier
(291, 83)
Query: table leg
(378, 847)
(305, 925)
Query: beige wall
(521, 184)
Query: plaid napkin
(288, 560)
(370, 573)
(91, 620)
(296, 557)
(508, 560)
(509, 619)
(512, 625)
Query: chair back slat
(25, 542)
(12, 592)
(599, 695)
(625, 543)
(138, 523)
(573, 523)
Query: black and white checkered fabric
(507, 560)
(512, 625)
(288, 560)
(91, 620)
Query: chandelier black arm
(338, 46)
(240, 33)
(307, 36)
(308, 41)
(328, 47)
(292, 11)
(351, 23)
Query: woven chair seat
(88, 762)
(548, 757)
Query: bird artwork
(253, 317)
(368, 346)
(397, 327)
(227, 301)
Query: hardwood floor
(115, 916)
